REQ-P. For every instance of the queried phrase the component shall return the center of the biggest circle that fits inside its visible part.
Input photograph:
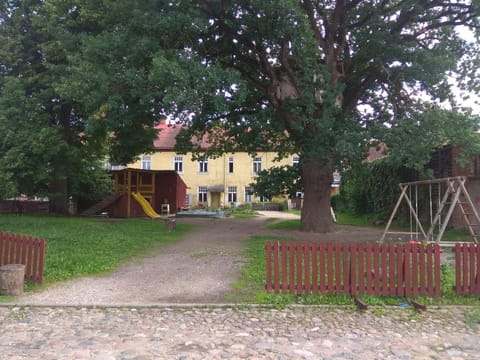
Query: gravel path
(198, 269)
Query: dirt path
(198, 269)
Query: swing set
(432, 203)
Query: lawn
(342, 219)
(89, 246)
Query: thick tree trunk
(59, 186)
(317, 180)
(59, 195)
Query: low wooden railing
(353, 268)
(26, 250)
(467, 269)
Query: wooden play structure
(141, 192)
(435, 202)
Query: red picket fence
(19, 249)
(353, 268)
(467, 269)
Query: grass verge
(91, 246)
(342, 219)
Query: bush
(372, 188)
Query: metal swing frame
(455, 196)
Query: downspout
(224, 178)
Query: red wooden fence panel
(467, 269)
(353, 269)
(26, 250)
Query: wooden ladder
(470, 215)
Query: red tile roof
(167, 137)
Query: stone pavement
(229, 332)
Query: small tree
(280, 180)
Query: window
(202, 194)
(116, 167)
(146, 162)
(230, 165)
(248, 194)
(264, 199)
(178, 164)
(257, 164)
(299, 194)
(203, 166)
(295, 160)
(336, 179)
(232, 194)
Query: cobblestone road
(202, 332)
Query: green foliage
(80, 246)
(411, 142)
(372, 188)
(278, 180)
(286, 76)
(44, 149)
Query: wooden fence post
(268, 251)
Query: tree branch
(309, 9)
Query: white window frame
(230, 165)
(202, 194)
(232, 194)
(146, 162)
(295, 160)
(264, 199)
(203, 166)
(178, 164)
(248, 194)
(257, 164)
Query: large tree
(316, 78)
(51, 143)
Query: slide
(147, 208)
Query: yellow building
(215, 183)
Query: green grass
(243, 212)
(342, 219)
(291, 224)
(349, 219)
(472, 318)
(89, 246)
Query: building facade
(211, 182)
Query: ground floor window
(232, 194)
(248, 194)
(202, 194)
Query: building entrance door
(215, 200)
